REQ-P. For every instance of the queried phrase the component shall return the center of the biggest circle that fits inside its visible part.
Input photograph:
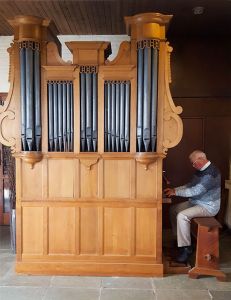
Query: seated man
(203, 192)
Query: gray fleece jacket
(204, 189)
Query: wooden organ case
(89, 138)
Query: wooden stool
(207, 252)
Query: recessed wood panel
(61, 230)
(117, 231)
(145, 242)
(61, 178)
(146, 181)
(88, 230)
(88, 180)
(117, 174)
(32, 181)
(32, 230)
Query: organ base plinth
(89, 268)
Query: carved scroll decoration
(5, 112)
(173, 127)
(53, 57)
(124, 55)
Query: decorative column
(30, 33)
(150, 53)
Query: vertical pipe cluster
(88, 108)
(116, 116)
(147, 93)
(60, 116)
(30, 84)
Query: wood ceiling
(90, 17)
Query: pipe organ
(89, 138)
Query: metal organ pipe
(23, 97)
(37, 95)
(60, 115)
(113, 117)
(88, 108)
(122, 117)
(72, 117)
(82, 110)
(95, 108)
(154, 89)
(146, 98)
(140, 82)
(117, 116)
(50, 116)
(69, 117)
(127, 116)
(107, 117)
(64, 100)
(55, 110)
(89, 111)
(147, 91)
(30, 95)
(30, 126)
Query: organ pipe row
(147, 85)
(88, 108)
(30, 95)
(117, 116)
(116, 105)
(60, 116)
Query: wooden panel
(218, 143)
(88, 230)
(31, 181)
(117, 174)
(205, 107)
(210, 78)
(88, 56)
(88, 180)
(117, 231)
(146, 219)
(32, 230)
(146, 181)
(61, 230)
(61, 178)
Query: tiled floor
(171, 287)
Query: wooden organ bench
(206, 231)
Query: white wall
(5, 42)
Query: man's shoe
(184, 255)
